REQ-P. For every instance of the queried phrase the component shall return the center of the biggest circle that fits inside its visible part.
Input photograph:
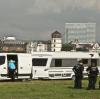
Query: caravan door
(40, 68)
(24, 65)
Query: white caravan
(58, 65)
(23, 64)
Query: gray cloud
(98, 5)
(37, 19)
(57, 6)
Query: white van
(23, 63)
(58, 65)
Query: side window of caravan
(39, 61)
(58, 63)
(63, 62)
(85, 61)
(69, 62)
(94, 61)
(2, 60)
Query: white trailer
(23, 64)
(58, 65)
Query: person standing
(78, 70)
(92, 75)
(12, 67)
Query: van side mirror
(91, 55)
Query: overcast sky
(37, 19)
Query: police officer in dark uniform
(92, 75)
(78, 70)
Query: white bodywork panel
(25, 64)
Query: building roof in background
(56, 34)
(13, 42)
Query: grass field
(46, 89)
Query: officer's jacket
(92, 71)
(78, 70)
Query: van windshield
(39, 61)
(2, 60)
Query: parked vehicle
(22, 62)
(58, 65)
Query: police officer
(78, 70)
(92, 75)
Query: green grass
(46, 89)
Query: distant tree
(67, 47)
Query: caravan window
(85, 61)
(39, 61)
(2, 60)
(63, 62)
(94, 61)
(58, 62)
